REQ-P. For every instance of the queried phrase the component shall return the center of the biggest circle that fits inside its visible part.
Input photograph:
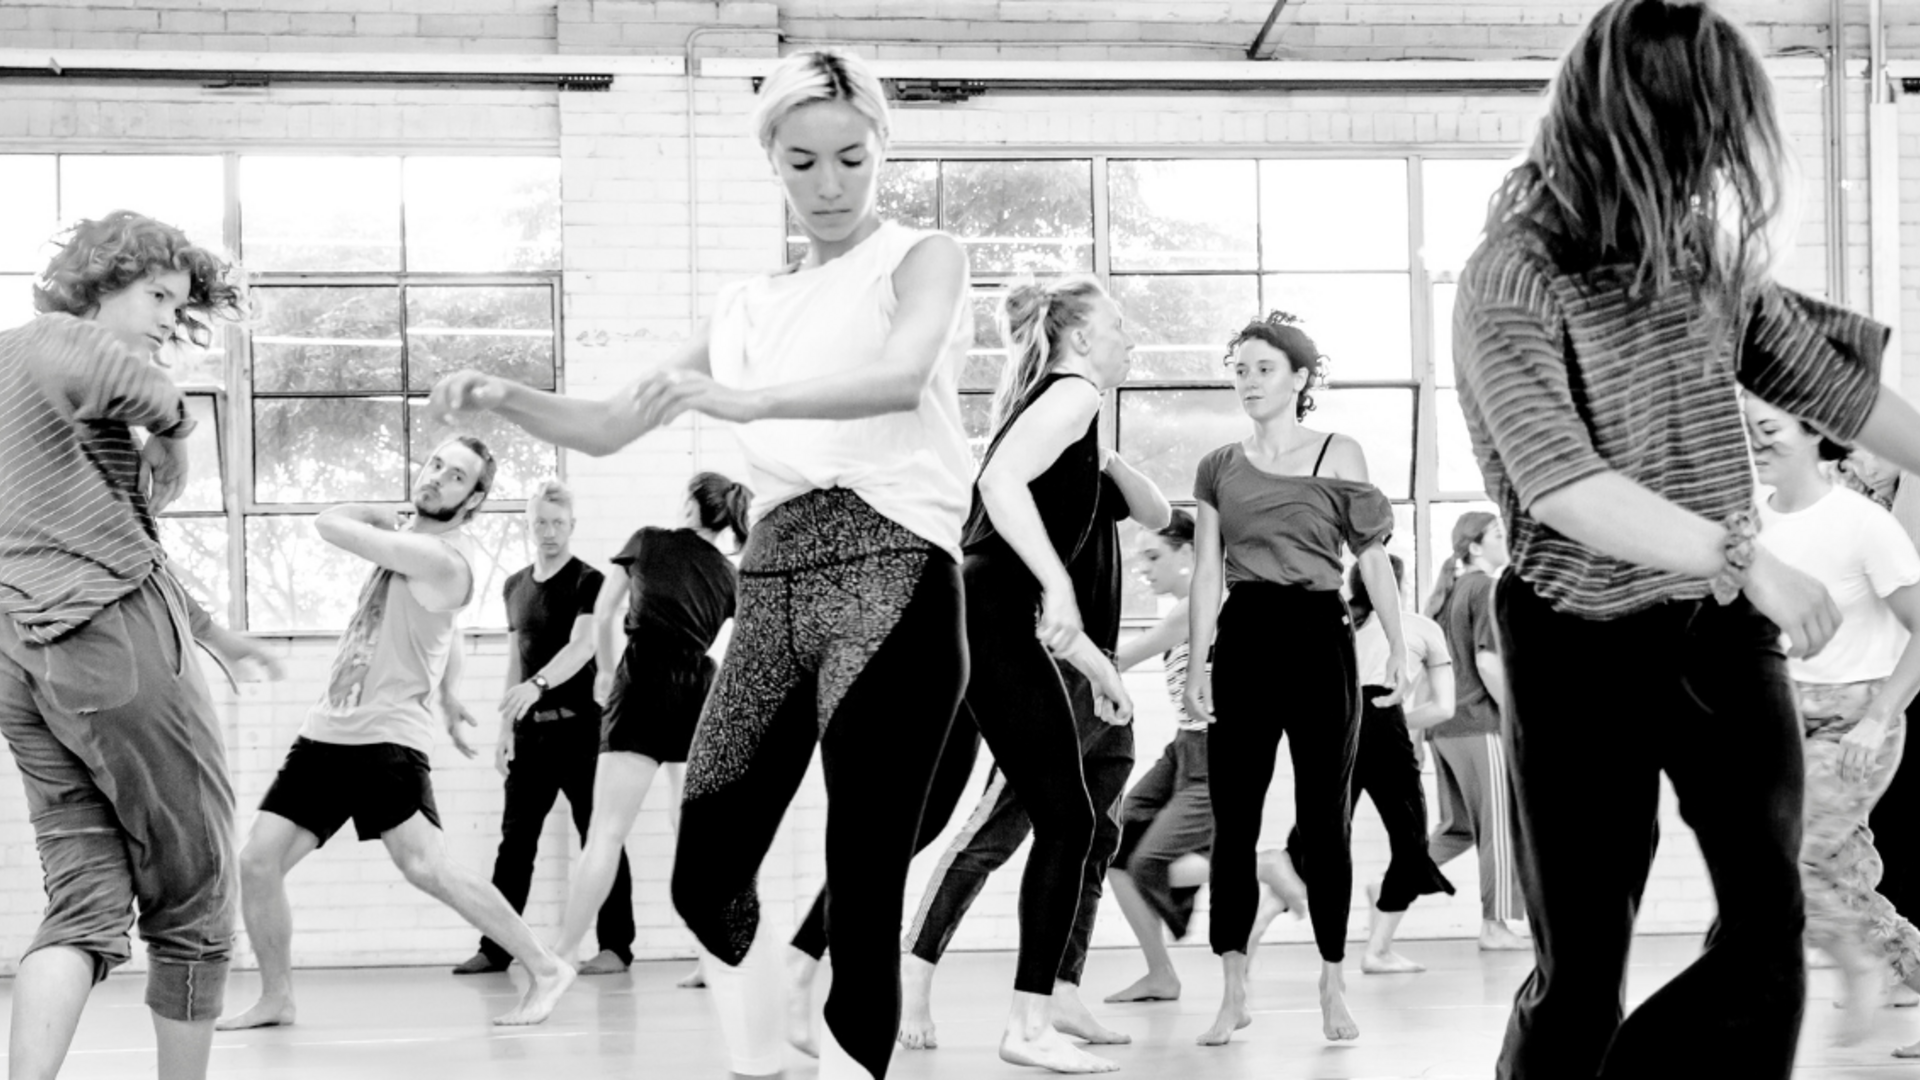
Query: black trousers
(1388, 772)
(1707, 688)
(1283, 664)
(848, 638)
(999, 825)
(551, 758)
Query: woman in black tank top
(1033, 506)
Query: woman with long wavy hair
(1620, 296)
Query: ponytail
(722, 504)
(1470, 529)
(1033, 319)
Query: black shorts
(655, 705)
(379, 786)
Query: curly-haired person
(102, 704)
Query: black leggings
(849, 636)
(1020, 707)
(1283, 665)
(1388, 772)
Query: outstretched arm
(1165, 634)
(373, 533)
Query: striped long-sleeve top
(75, 531)
(1564, 375)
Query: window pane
(989, 354)
(1443, 334)
(909, 192)
(1359, 320)
(327, 339)
(1445, 514)
(193, 365)
(1183, 215)
(1333, 215)
(205, 466)
(500, 548)
(1459, 470)
(523, 460)
(1165, 433)
(1456, 193)
(974, 412)
(197, 550)
(297, 581)
(328, 450)
(16, 299)
(1181, 325)
(1021, 216)
(32, 215)
(188, 193)
(1382, 420)
(475, 214)
(504, 330)
(320, 213)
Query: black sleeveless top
(1066, 494)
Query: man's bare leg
(274, 847)
(419, 849)
(49, 991)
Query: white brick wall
(628, 294)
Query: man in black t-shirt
(550, 725)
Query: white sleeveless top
(912, 467)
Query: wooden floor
(424, 1024)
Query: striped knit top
(1175, 662)
(75, 531)
(1563, 376)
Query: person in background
(550, 725)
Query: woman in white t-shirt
(839, 373)
(1853, 695)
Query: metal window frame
(233, 402)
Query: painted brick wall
(629, 297)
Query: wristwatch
(541, 682)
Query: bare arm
(1440, 709)
(1493, 674)
(573, 655)
(1898, 691)
(1203, 609)
(1030, 447)
(1893, 431)
(1170, 631)
(591, 426)
(425, 561)
(1145, 503)
(1376, 572)
(606, 617)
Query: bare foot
(1051, 1050)
(916, 1004)
(1496, 936)
(1072, 1017)
(265, 1013)
(1902, 996)
(606, 962)
(1337, 1022)
(1911, 1050)
(1233, 1016)
(692, 980)
(1389, 963)
(1153, 986)
(543, 993)
(801, 969)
